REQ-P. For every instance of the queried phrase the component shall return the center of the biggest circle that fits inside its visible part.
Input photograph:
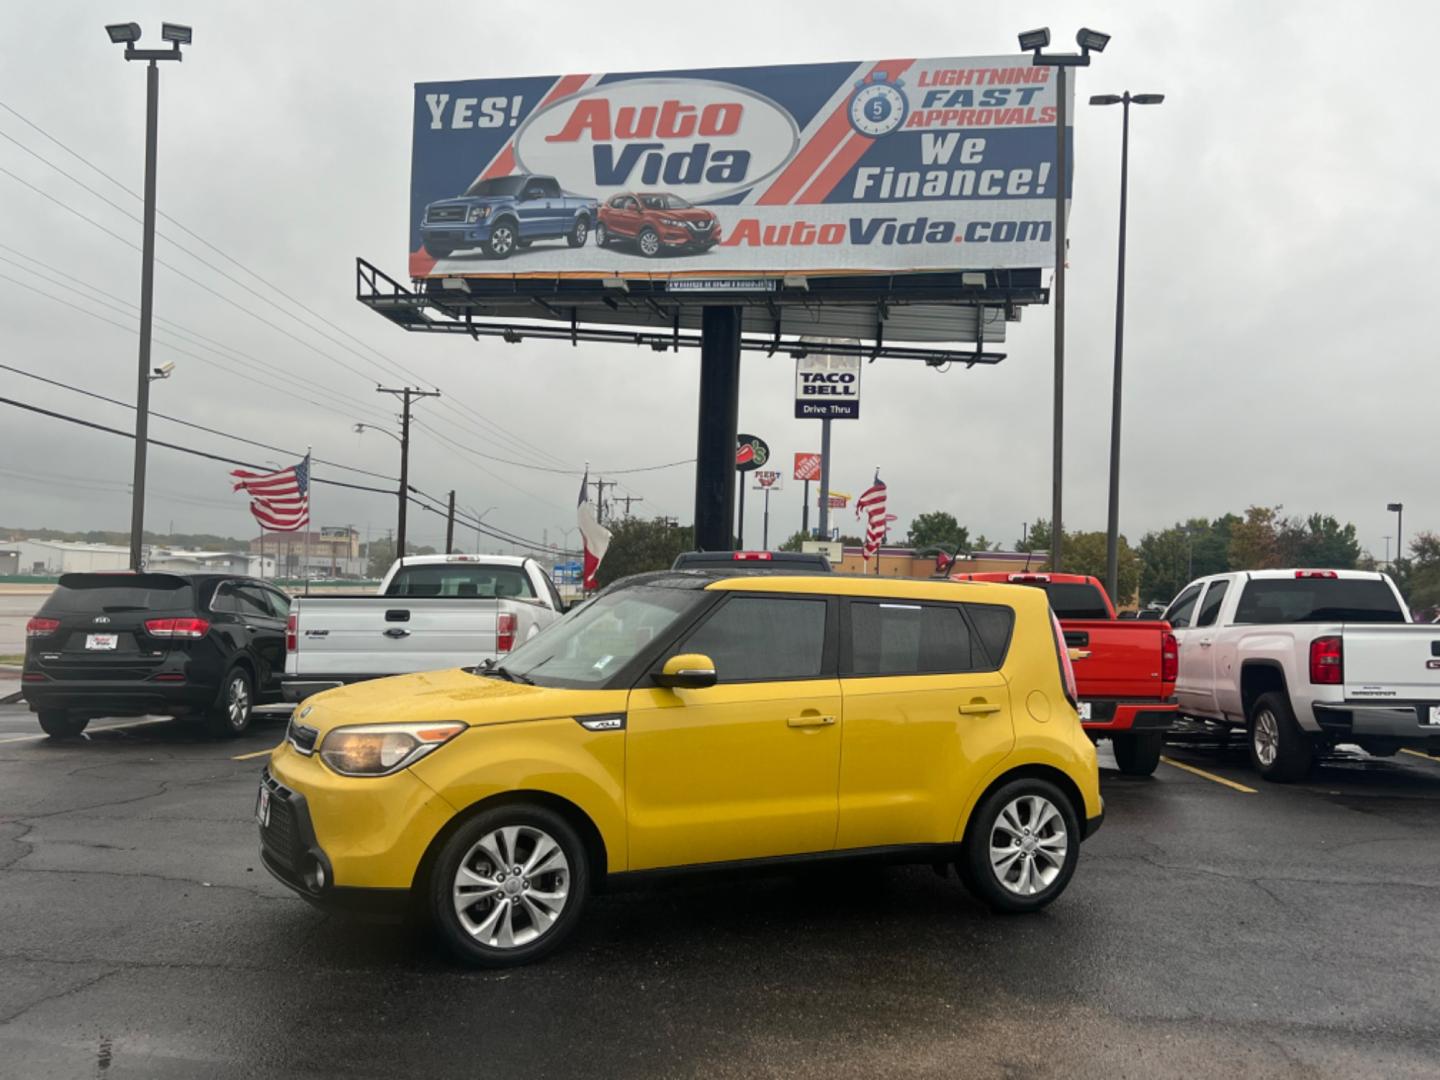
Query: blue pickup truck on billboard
(885, 166)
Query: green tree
(1418, 577)
(1321, 542)
(939, 529)
(1085, 553)
(1255, 541)
(1164, 564)
(981, 543)
(795, 540)
(638, 545)
(1037, 537)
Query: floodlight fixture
(1394, 508)
(1091, 40)
(123, 33)
(1105, 99)
(1034, 40)
(1147, 99)
(175, 33)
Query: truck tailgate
(1116, 658)
(1384, 661)
(390, 635)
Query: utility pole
(450, 525)
(627, 500)
(600, 486)
(406, 394)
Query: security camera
(164, 370)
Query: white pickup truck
(1306, 659)
(431, 612)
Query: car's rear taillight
(1316, 574)
(742, 556)
(1169, 657)
(291, 637)
(38, 627)
(1067, 669)
(505, 631)
(1029, 579)
(1327, 662)
(185, 627)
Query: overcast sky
(1279, 346)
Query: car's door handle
(1205, 643)
(978, 708)
(810, 720)
(397, 632)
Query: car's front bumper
(1397, 721)
(458, 232)
(367, 832)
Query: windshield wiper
(490, 667)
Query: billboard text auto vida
(891, 165)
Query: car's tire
(1137, 754)
(1021, 846)
(439, 249)
(648, 242)
(602, 235)
(579, 232)
(503, 240)
(1279, 750)
(475, 907)
(230, 715)
(59, 724)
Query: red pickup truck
(1124, 668)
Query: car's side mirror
(688, 671)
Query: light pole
(479, 519)
(1398, 509)
(360, 429)
(1035, 41)
(1112, 530)
(128, 34)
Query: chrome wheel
(502, 241)
(581, 231)
(649, 243)
(1266, 737)
(1028, 845)
(511, 886)
(237, 700)
(602, 235)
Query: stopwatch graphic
(878, 107)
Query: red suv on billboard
(655, 221)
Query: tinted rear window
(92, 594)
(461, 579)
(1302, 600)
(993, 625)
(1075, 600)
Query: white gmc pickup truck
(1306, 659)
(431, 612)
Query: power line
(192, 424)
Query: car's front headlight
(476, 213)
(381, 749)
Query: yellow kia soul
(689, 720)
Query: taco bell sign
(827, 388)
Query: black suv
(123, 644)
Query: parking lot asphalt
(1211, 930)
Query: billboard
(880, 166)
(807, 467)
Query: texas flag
(594, 536)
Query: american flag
(872, 504)
(280, 501)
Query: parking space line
(90, 730)
(1416, 753)
(257, 753)
(1208, 775)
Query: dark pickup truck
(1125, 669)
(503, 213)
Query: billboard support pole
(805, 511)
(740, 528)
(1057, 529)
(718, 427)
(765, 530)
(825, 479)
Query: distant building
(904, 562)
(50, 557)
(333, 551)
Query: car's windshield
(93, 594)
(588, 647)
(664, 202)
(1076, 600)
(500, 185)
(461, 579)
